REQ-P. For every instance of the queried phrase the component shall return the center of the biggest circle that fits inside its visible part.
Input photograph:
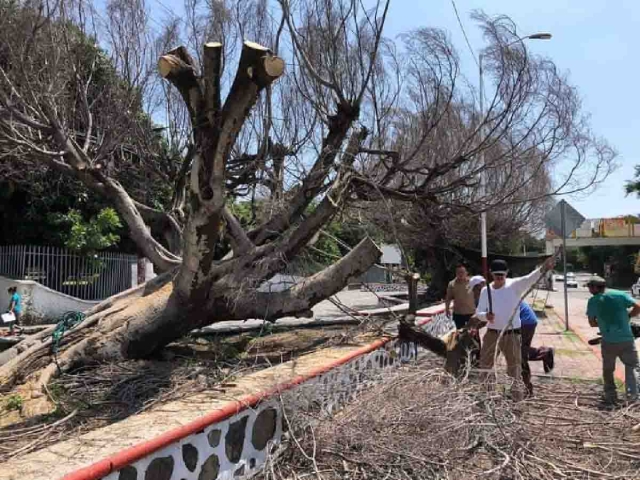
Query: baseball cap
(597, 281)
(476, 280)
(499, 266)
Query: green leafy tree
(97, 233)
(633, 186)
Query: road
(577, 301)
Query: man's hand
(491, 317)
(548, 264)
(593, 322)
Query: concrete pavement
(578, 321)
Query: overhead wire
(464, 32)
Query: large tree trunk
(141, 321)
(209, 283)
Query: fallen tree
(217, 273)
(309, 142)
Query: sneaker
(548, 362)
(529, 392)
(607, 403)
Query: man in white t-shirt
(504, 314)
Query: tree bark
(139, 322)
(210, 284)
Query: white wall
(40, 303)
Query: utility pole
(483, 174)
(563, 220)
(483, 179)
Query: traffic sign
(573, 219)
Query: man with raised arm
(503, 317)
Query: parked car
(635, 288)
(571, 280)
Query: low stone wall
(236, 441)
(384, 287)
(41, 304)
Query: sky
(592, 41)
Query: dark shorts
(461, 320)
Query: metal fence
(89, 277)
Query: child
(15, 307)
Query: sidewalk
(573, 357)
(579, 325)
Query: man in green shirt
(608, 309)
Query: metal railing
(89, 277)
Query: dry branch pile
(421, 423)
(92, 398)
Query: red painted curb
(130, 455)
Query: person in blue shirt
(529, 322)
(15, 307)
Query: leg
(475, 359)
(487, 354)
(629, 357)
(460, 320)
(608, 367)
(527, 336)
(537, 354)
(511, 347)
(488, 350)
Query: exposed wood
(257, 69)
(178, 67)
(412, 283)
(272, 68)
(213, 145)
(175, 60)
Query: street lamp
(483, 179)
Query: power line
(455, 9)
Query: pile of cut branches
(421, 423)
(92, 398)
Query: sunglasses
(499, 274)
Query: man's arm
(447, 300)
(522, 284)
(483, 307)
(591, 313)
(635, 310)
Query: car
(571, 280)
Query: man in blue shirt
(529, 322)
(608, 309)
